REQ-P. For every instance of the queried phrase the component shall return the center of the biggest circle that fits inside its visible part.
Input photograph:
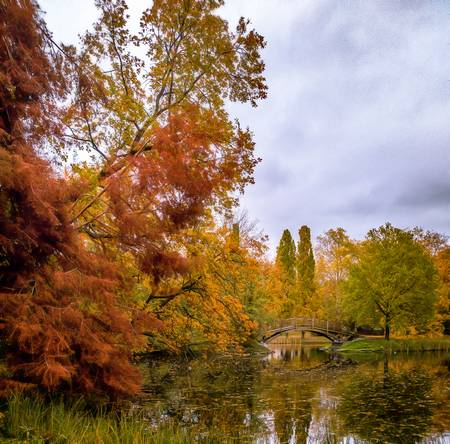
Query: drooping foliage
(60, 320)
(305, 265)
(87, 252)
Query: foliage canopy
(393, 282)
(91, 256)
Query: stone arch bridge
(335, 332)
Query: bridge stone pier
(335, 332)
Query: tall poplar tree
(286, 257)
(305, 265)
(285, 262)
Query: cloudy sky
(356, 129)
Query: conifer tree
(305, 265)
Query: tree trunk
(387, 328)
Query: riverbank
(231, 399)
(396, 345)
(24, 419)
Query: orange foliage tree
(79, 250)
(165, 154)
(164, 150)
(60, 319)
(442, 262)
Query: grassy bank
(397, 345)
(37, 421)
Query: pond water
(293, 396)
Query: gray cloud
(358, 114)
(356, 129)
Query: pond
(304, 395)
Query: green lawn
(408, 345)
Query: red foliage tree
(170, 187)
(164, 153)
(164, 149)
(60, 321)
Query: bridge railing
(307, 323)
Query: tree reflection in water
(245, 401)
(393, 406)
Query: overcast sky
(356, 129)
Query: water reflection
(295, 356)
(394, 406)
(403, 399)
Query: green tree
(305, 264)
(286, 257)
(393, 283)
(285, 263)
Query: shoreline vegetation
(374, 344)
(396, 345)
(37, 420)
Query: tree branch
(185, 288)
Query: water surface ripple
(292, 397)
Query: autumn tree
(232, 289)
(285, 262)
(436, 244)
(305, 266)
(442, 263)
(248, 245)
(393, 283)
(61, 324)
(164, 149)
(85, 253)
(335, 253)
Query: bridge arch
(310, 330)
(335, 332)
